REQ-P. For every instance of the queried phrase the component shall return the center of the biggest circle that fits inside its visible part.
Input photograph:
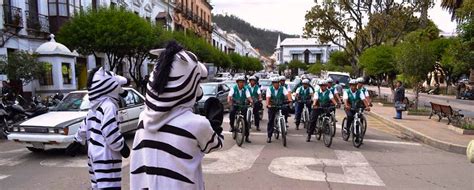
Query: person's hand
(214, 110)
(125, 152)
(73, 149)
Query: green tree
(113, 31)
(21, 68)
(415, 60)
(237, 61)
(379, 62)
(295, 65)
(282, 68)
(316, 68)
(342, 23)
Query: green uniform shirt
(239, 97)
(279, 97)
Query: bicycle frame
(357, 121)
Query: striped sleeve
(208, 139)
(81, 135)
(110, 129)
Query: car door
(223, 92)
(123, 116)
(134, 108)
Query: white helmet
(305, 81)
(322, 82)
(253, 78)
(360, 80)
(240, 78)
(282, 78)
(329, 80)
(275, 79)
(353, 81)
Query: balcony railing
(37, 22)
(179, 7)
(12, 16)
(189, 14)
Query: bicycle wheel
(333, 119)
(276, 131)
(363, 129)
(345, 134)
(240, 130)
(249, 117)
(283, 131)
(4, 128)
(356, 135)
(234, 133)
(327, 133)
(319, 129)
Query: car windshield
(341, 78)
(74, 102)
(209, 89)
(265, 82)
(222, 75)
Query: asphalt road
(384, 161)
(466, 106)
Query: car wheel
(35, 150)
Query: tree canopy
(22, 66)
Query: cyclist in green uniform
(322, 98)
(276, 96)
(256, 96)
(353, 98)
(237, 98)
(361, 87)
(303, 94)
(287, 87)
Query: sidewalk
(423, 129)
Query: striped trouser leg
(91, 175)
(108, 175)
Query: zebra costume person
(171, 140)
(100, 129)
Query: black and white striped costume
(169, 146)
(101, 130)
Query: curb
(446, 146)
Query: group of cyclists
(243, 96)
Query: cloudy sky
(288, 15)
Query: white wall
(288, 51)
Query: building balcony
(189, 14)
(195, 18)
(12, 17)
(179, 7)
(37, 22)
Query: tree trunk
(417, 95)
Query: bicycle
(357, 129)
(305, 114)
(280, 124)
(325, 122)
(239, 126)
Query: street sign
(356, 169)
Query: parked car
(56, 129)
(343, 78)
(222, 77)
(236, 75)
(218, 90)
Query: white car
(223, 76)
(56, 129)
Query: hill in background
(262, 39)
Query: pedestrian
(171, 140)
(399, 96)
(100, 129)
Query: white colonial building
(26, 25)
(306, 50)
(232, 43)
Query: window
(318, 57)
(132, 99)
(62, 8)
(295, 57)
(47, 78)
(67, 73)
(53, 7)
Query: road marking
(356, 169)
(14, 151)
(234, 160)
(73, 162)
(3, 176)
(13, 160)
